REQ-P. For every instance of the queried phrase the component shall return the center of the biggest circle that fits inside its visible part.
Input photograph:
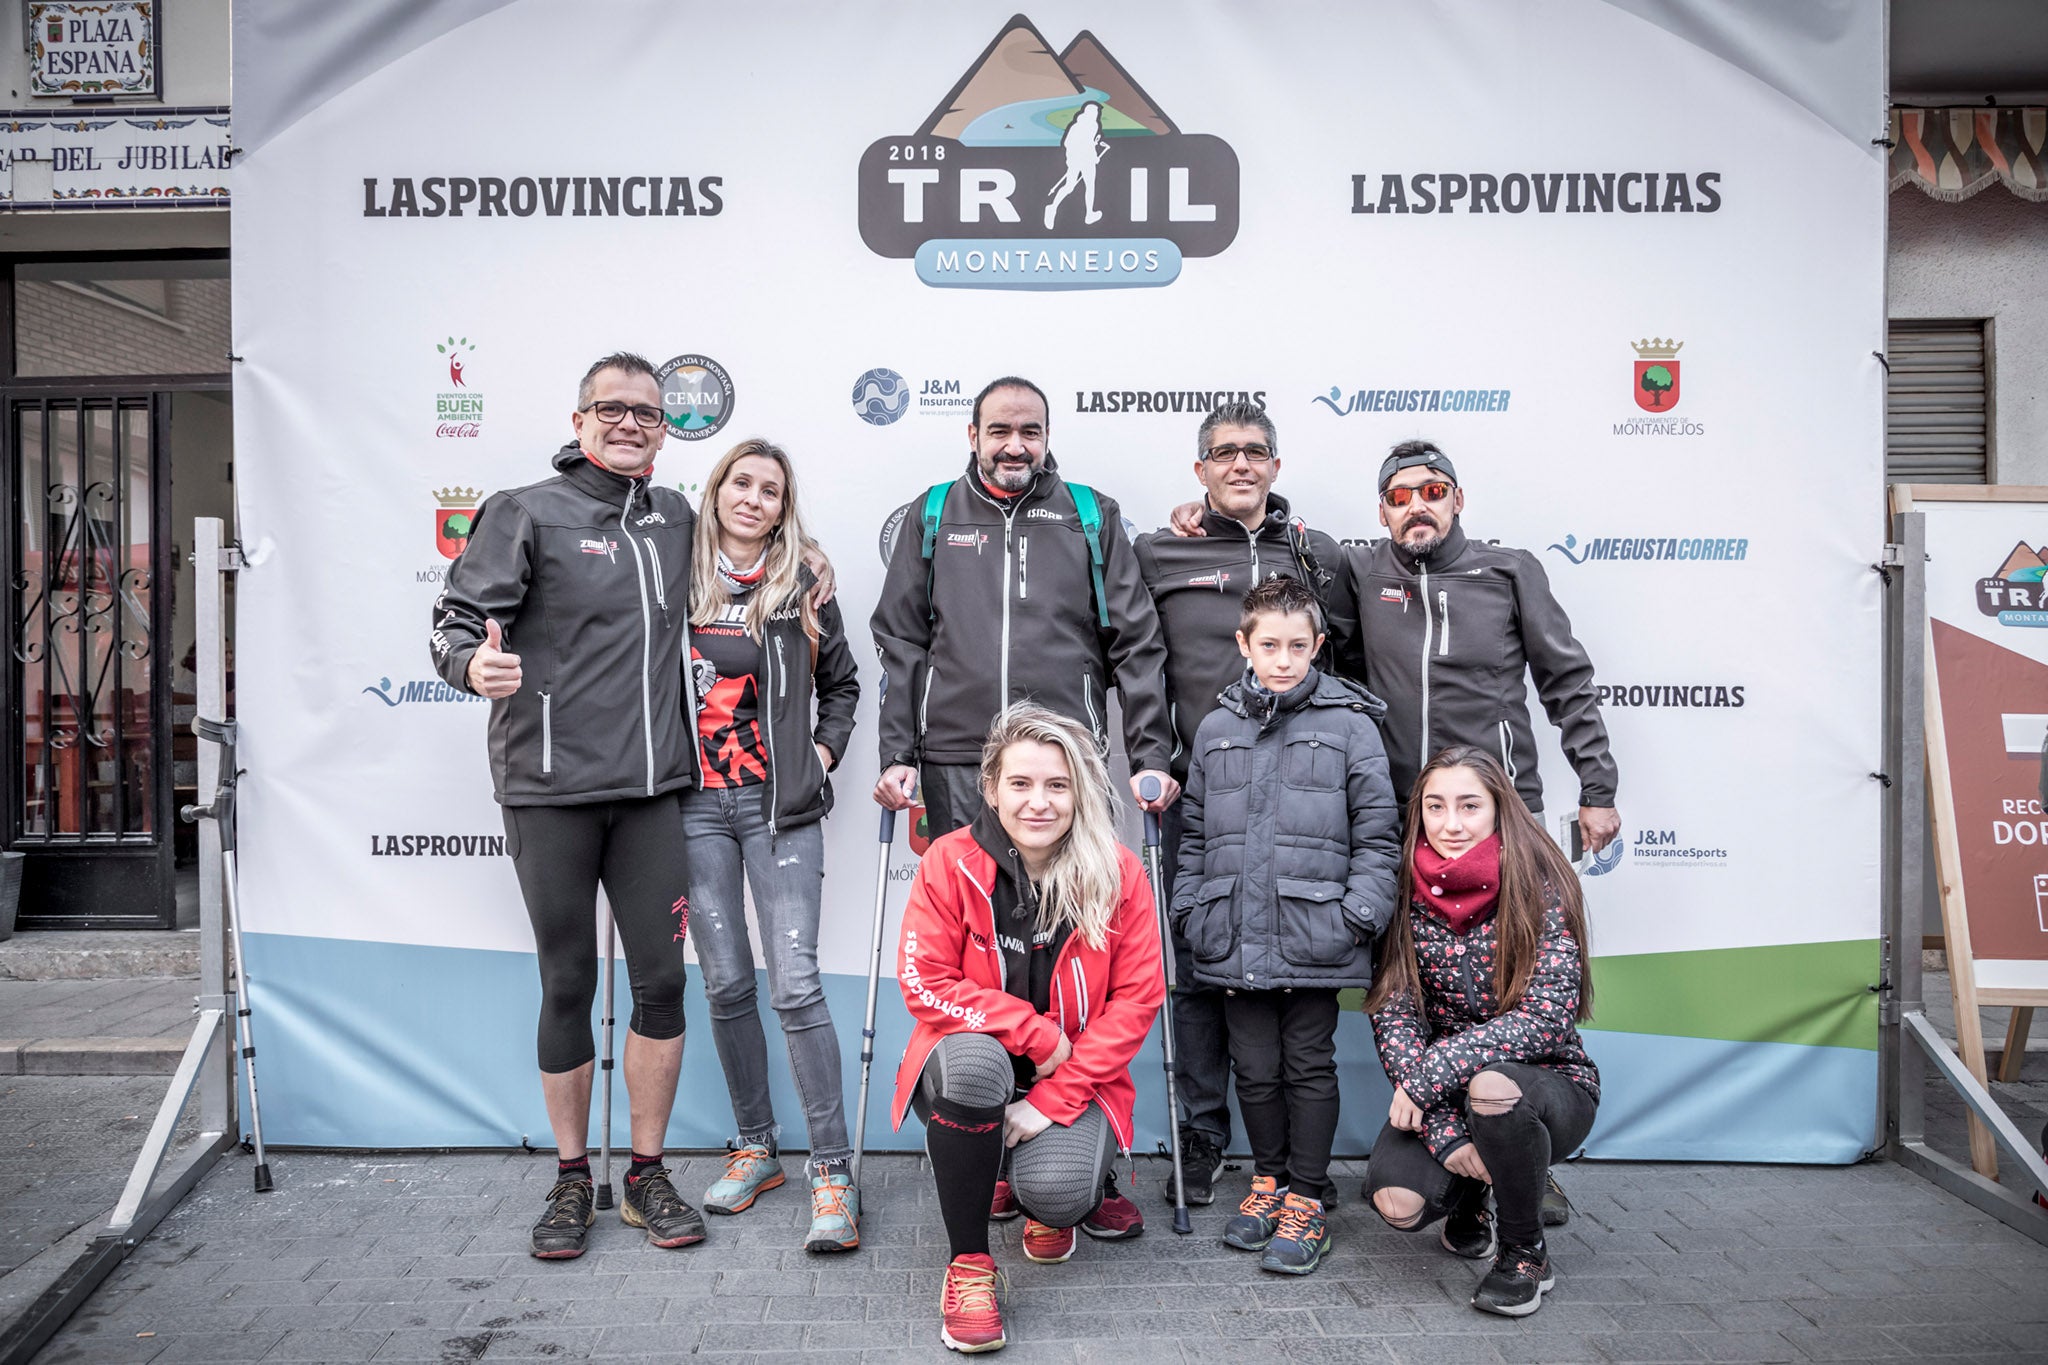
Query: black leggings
(636, 849)
(1056, 1176)
(1516, 1142)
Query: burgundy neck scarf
(1461, 891)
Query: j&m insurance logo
(1048, 170)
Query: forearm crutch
(1148, 790)
(604, 1124)
(867, 1031)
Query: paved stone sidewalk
(423, 1258)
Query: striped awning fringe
(1953, 153)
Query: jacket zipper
(1428, 639)
(1173, 724)
(1443, 604)
(1088, 700)
(1009, 527)
(924, 702)
(547, 734)
(660, 579)
(768, 695)
(1507, 749)
(1252, 537)
(646, 636)
(1023, 564)
(1080, 988)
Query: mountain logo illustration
(2018, 593)
(1048, 170)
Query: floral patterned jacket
(1433, 1053)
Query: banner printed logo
(458, 409)
(880, 397)
(697, 395)
(1656, 381)
(1048, 171)
(1638, 548)
(2017, 594)
(454, 518)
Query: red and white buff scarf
(1461, 891)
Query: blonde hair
(781, 583)
(1084, 880)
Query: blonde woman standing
(776, 687)
(1030, 964)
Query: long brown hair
(781, 585)
(1533, 872)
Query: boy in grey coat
(1288, 859)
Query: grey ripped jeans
(728, 839)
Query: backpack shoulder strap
(934, 506)
(1090, 512)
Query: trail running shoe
(748, 1171)
(1257, 1217)
(652, 1203)
(1515, 1286)
(1115, 1218)
(1004, 1206)
(1047, 1245)
(1301, 1240)
(835, 1214)
(1557, 1209)
(1201, 1161)
(1469, 1231)
(970, 1318)
(559, 1234)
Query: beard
(1008, 478)
(1432, 540)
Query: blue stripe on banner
(369, 1044)
(1707, 1099)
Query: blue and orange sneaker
(1299, 1243)
(1257, 1217)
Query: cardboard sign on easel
(1987, 745)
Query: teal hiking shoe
(835, 1214)
(748, 1171)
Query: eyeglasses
(1436, 490)
(608, 412)
(1255, 454)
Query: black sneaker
(1469, 1231)
(651, 1202)
(1557, 1210)
(1514, 1287)
(1201, 1161)
(559, 1234)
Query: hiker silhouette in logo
(1084, 147)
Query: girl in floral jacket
(1483, 978)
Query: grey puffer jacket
(1289, 849)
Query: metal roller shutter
(1934, 403)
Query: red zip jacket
(1104, 1000)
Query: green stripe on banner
(1814, 993)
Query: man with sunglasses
(1240, 534)
(568, 610)
(1450, 628)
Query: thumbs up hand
(492, 672)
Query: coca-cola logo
(459, 429)
(458, 405)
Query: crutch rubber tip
(604, 1195)
(263, 1185)
(1182, 1224)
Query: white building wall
(1986, 257)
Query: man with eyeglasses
(1450, 628)
(1240, 534)
(568, 610)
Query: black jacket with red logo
(1199, 582)
(588, 576)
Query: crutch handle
(888, 826)
(1148, 790)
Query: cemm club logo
(697, 396)
(1044, 170)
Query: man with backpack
(1011, 584)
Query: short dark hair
(1011, 381)
(1240, 412)
(628, 361)
(1283, 596)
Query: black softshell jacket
(1447, 642)
(1005, 612)
(1198, 584)
(588, 576)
